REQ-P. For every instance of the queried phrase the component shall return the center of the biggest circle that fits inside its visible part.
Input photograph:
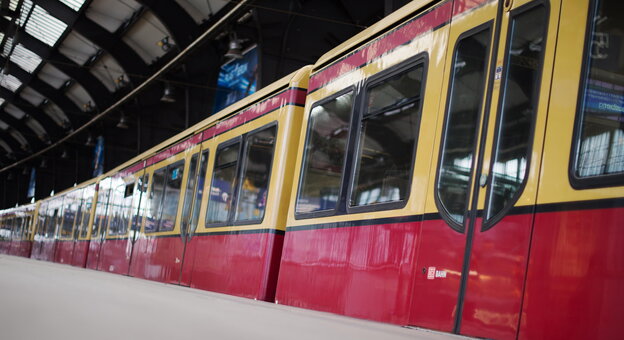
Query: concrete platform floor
(41, 300)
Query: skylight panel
(10, 82)
(53, 76)
(37, 128)
(19, 137)
(1, 101)
(3, 125)
(43, 26)
(73, 4)
(5, 146)
(25, 58)
(55, 112)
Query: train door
(125, 196)
(100, 222)
(190, 210)
(83, 222)
(158, 251)
(473, 252)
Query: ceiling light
(123, 122)
(89, 141)
(235, 48)
(168, 94)
(164, 44)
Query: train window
(519, 101)
(69, 215)
(599, 142)
(466, 90)
(325, 155)
(139, 200)
(252, 198)
(223, 183)
(155, 200)
(189, 192)
(171, 196)
(388, 132)
(199, 191)
(84, 227)
(115, 210)
(101, 211)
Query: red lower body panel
(64, 251)
(243, 264)
(157, 258)
(5, 246)
(44, 250)
(115, 256)
(93, 254)
(498, 262)
(79, 258)
(365, 272)
(575, 280)
(21, 248)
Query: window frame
(241, 166)
(227, 143)
(488, 223)
(484, 114)
(420, 59)
(162, 199)
(345, 165)
(589, 182)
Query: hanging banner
(31, 183)
(238, 78)
(98, 157)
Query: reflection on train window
(171, 197)
(223, 183)
(461, 125)
(387, 140)
(258, 157)
(188, 193)
(139, 202)
(155, 200)
(600, 148)
(115, 210)
(324, 156)
(68, 217)
(84, 228)
(199, 191)
(79, 213)
(519, 95)
(101, 211)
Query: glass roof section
(1, 101)
(25, 58)
(5, 146)
(73, 4)
(41, 24)
(9, 82)
(14, 111)
(3, 125)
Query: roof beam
(73, 112)
(181, 26)
(129, 60)
(52, 129)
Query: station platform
(41, 300)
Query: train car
(461, 169)
(214, 211)
(23, 230)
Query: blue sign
(32, 183)
(237, 79)
(98, 157)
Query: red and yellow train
(458, 166)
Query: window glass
(223, 183)
(600, 148)
(175, 172)
(79, 201)
(84, 227)
(115, 210)
(387, 139)
(325, 154)
(519, 96)
(41, 219)
(462, 122)
(139, 202)
(188, 195)
(101, 207)
(154, 205)
(255, 184)
(200, 190)
(69, 216)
